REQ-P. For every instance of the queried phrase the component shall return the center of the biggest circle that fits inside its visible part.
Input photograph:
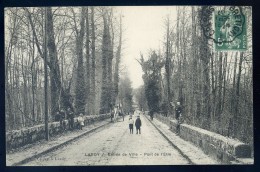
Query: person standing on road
(123, 115)
(115, 113)
(81, 121)
(138, 124)
(112, 115)
(62, 119)
(131, 125)
(151, 115)
(70, 118)
(57, 116)
(178, 111)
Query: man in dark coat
(70, 118)
(62, 119)
(57, 116)
(138, 124)
(178, 110)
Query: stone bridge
(102, 142)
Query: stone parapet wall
(162, 119)
(224, 149)
(19, 138)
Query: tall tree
(237, 95)
(118, 58)
(152, 71)
(220, 81)
(140, 97)
(126, 94)
(55, 78)
(204, 57)
(80, 81)
(106, 67)
(58, 95)
(167, 65)
(110, 56)
(93, 62)
(87, 66)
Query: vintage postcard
(128, 85)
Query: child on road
(81, 121)
(131, 125)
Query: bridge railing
(221, 148)
(19, 138)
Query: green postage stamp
(226, 26)
(230, 29)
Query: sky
(143, 30)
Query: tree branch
(139, 62)
(35, 35)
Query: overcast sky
(143, 30)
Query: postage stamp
(226, 26)
(230, 29)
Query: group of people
(62, 115)
(178, 117)
(117, 111)
(138, 124)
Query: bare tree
(118, 58)
(80, 101)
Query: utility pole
(45, 77)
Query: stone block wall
(222, 148)
(218, 146)
(18, 138)
(163, 119)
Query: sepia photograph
(128, 85)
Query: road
(115, 146)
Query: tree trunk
(233, 98)
(167, 66)
(88, 79)
(220, 79)
(224, 81)
(213, 88)
(57, 92)
(205, 56)
(55, 79)
(93, 64)
(194, 66)
(118, 57)
(104, 106)
(80, 83)
(237, 123)
(110, 90)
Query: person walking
(131, 125)
(138, 124)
